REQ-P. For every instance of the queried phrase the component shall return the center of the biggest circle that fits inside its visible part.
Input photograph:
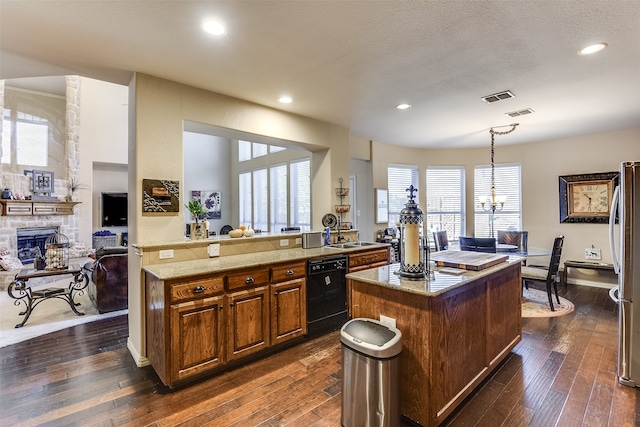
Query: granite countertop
(199, 267)
(443, 280)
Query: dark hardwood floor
(562, 373)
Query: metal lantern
(56, 252)
(412, 255)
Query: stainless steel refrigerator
(624, 240)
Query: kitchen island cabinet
(456, 329)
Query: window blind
(399, 178)
(445, 201)
(508, 183)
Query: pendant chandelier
(494, 203)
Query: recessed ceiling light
(285, 99)
(215, 28)
(403, 106)
(592, 49)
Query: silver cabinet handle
(289, 273)
(249, 280)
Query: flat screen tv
(114, 209)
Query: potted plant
(197, 209)
(75, 185)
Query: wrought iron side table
(21, 291)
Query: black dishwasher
(326, 294)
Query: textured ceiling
(351, 62)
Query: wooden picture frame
(382, 205)
(587, 198)
(160, 196)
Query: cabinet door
(248, 322)
(288, 310)
(196, 337)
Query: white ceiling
(351, 62)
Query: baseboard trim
(140, 361)
(590, 283)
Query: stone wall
(21, 184)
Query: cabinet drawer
(368, 258)
(248, 278)
(196, 289)
(284, 272)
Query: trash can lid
(371, 337)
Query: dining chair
(441, 240)
(478, 244)
(548, 275)
(515, 238)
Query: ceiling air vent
(500, 96)
(520, 112)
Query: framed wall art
(160, 196)
(587, 197)
(211, 201)
(382, 205)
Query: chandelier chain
(493, 134)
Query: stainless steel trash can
(370, 362)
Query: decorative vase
(197, 231)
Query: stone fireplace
(19, 183)
(31, 240)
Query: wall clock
(587, 198)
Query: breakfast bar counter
(456, 329)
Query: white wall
(108, 178)
(542, 163)
(103, 141)
(364, 210)
(207, 167)
(159, 110)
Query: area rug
(48, 316)
(535, 303)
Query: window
(399, 178)
(244, 188)
(275, 148)
(260, 200)
(445, 201)
(250, 150)
(508, 183)
(276, 197)
(300, 193)
(244, 151)
(259, 150)
(30, 137)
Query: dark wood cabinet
(199, 325)
(184, 326)
(288, 310)
(369, 259)
(196, 337)
(248, 322)
(451, 341)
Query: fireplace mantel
(36, 207)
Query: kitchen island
(456, 329)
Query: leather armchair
(109, 279)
